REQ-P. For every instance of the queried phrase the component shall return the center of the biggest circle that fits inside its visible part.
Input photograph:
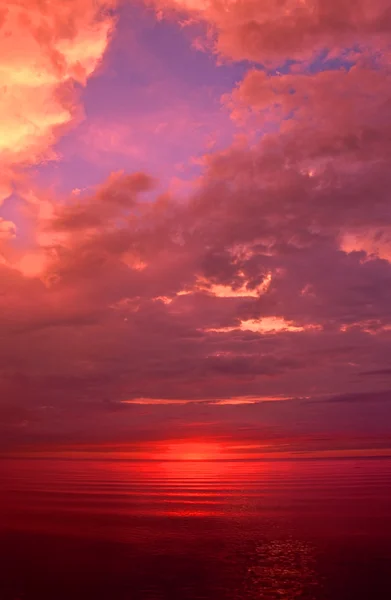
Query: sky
(195, 227)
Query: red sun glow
(192, 451)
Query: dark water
(81, 530)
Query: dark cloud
(374, 397)
(376, 372)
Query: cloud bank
(271, 279)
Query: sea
(108, 529)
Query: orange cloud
(7, 229)
(375, 243)
(265, 325)
(228, 291)
(44, 49)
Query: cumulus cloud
(109, 202)
(45, 48)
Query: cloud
(270, 31)
(383, 396)
(121, 289)
(110, 200)
(7, 229)
(45, 49)
(247, 288)
(377, 372)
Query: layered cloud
(141, 314)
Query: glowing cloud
(44, 49)
(244, 290)
(265, 325)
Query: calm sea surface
(116, 530)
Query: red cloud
(158, 298)
(260, 31)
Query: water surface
(186, 530)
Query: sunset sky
(195, 227)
